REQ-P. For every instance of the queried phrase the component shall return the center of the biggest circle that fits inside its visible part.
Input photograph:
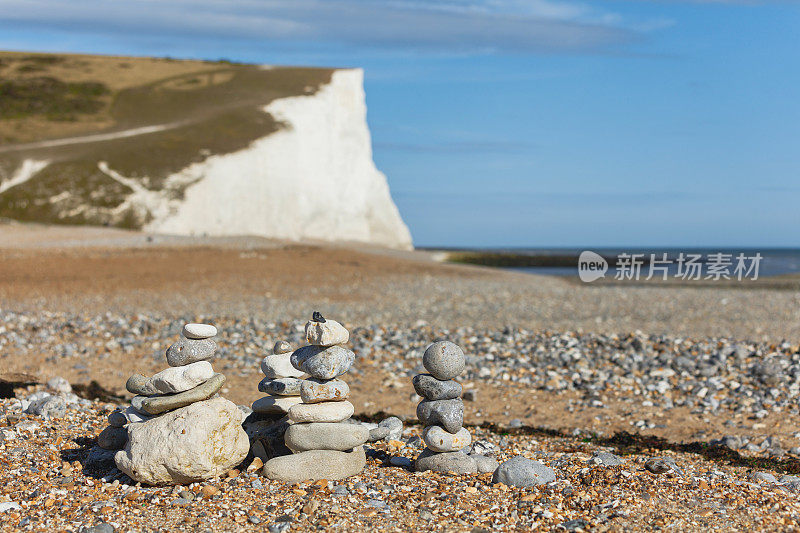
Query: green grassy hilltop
(63, 110)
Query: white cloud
(451, 25)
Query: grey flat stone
(457, 462)
(444, 360)
(321, 362)
(431, 388)
(139, 384)
(161, 404)
(315, 390)
(446, 413)
(325, 436)
(187, 351)
(521, 472)
(281, 386)
(315, 465)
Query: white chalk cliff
(312, 179)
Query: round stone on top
(325, 332)
(198, 331)
(444, 360)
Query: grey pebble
(378, 433)
(446, 413)
(431, 388)
(661, 465)
(444, 360)
(485, 463)
(521, 472)
(606, 459)
(100, 527)
(112, 438)
(280, 386)
(402, 462)
(187, 351)
(764, 477)
(321, 362)
(394, 425)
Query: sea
(772, 262)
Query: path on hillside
(95, 137)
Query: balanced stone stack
(281, 382)
(324, 443)
(442, 411)
(177, 429)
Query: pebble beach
(644, 402)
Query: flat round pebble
(198, 331)
(321, 412)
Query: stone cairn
(281, 382)
(442, 413)
(177, 429)
(324, 443)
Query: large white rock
(193, 443)
(312, 179)
(182, 378)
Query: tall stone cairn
(442, 411)
(324, 443)
(177, 428)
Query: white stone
(193, 443)
(312, 179)
(275, 405)
(321, 412)
(440, 440)
(326, 333)
(198, 331)
(279, 366)
(135, 417)
(182, 378)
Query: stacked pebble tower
(189, 378)
(442, 411)
(324, 443)
(181, 392)
(281, 382)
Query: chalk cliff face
(198, 149)
(312, 179)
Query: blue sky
(522, 123)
